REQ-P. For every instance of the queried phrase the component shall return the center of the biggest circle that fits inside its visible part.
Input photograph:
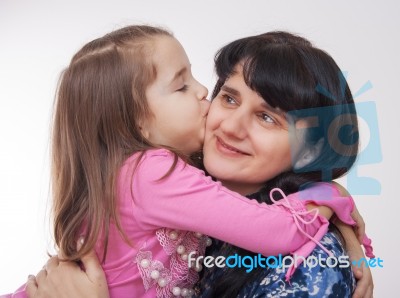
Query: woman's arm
(353, 237)
(67, 279)
(365, 284)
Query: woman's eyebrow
(269, 107)
(230, 90)
(264, 104)
(277, 111)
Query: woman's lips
(228, 149)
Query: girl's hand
(67, 279)
(365, 284)
(359, 229)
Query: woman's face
(247, 142)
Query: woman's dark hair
(289, 73)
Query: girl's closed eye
(183, 88)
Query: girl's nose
(205, 106)
(202, 92)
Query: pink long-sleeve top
(167, 219)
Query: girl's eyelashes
(183, 89)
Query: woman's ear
(308, 154)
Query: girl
(128, 113)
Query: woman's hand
(365, 284)
(67, 279)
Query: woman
(263, 82)
(281, 72)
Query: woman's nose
(234, 125)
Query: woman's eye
(228, 99)
(183, 89)
(267, 118)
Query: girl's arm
(188, 200)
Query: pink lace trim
(192, 242)
(145, 271)
(176, 245)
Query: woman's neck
(242, 188)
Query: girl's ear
(308, 154)
(145, 132)
(144, 128)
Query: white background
(38, 38)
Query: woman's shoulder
(331, 188)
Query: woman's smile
(227, 149)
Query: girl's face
(247, 141)
(177, 101)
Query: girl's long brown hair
(99, 105)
